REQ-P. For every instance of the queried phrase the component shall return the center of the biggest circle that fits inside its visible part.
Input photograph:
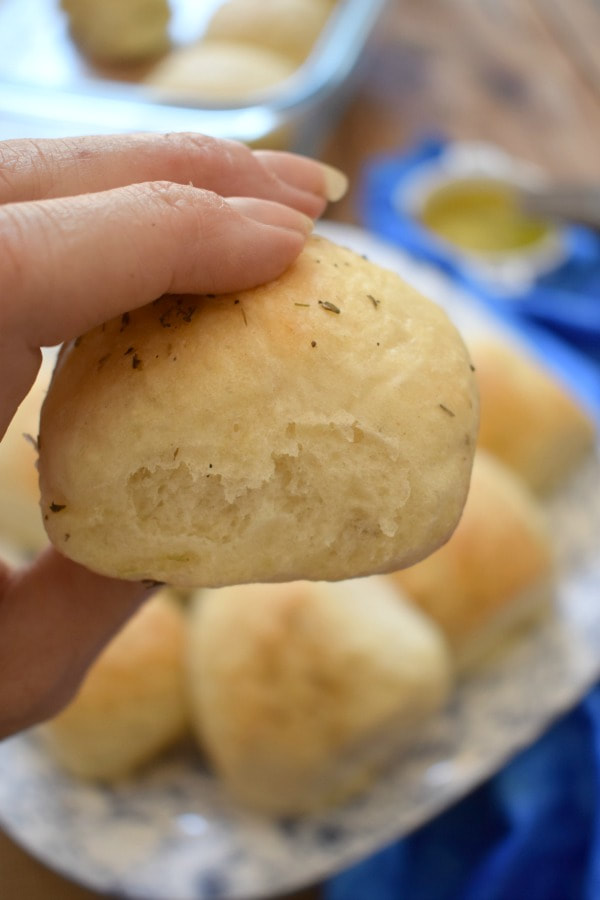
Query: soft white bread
(219, 71)
(494, 571)
(289, 27)
(322, 427)
(528, 419)
(119, 31)
(21, 524)
(132, 704)
(301, 692)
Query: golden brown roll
(213, 71)
(289, 27)
(528, 419)
(119, 31)
(494, 571)
(132, 704)
(321, 426)
(301, 692)
(21, 524)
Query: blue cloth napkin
(533, 831)
(530, 833)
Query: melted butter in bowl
(482, 216)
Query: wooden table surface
(524, 74)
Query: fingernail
(336, 183)
(268, 212)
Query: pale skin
(89, 229)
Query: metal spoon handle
(573, 203)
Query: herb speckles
(179, 310)
(330, 307)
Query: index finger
(45, 169)
(71, 263)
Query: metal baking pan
(47, 88)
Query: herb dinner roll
(119, 31)
(219, 71)
(495, 571)
(289, 27)
(132, 704)
(528, 419)
(320, 427)
(301, 692)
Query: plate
(172, 833)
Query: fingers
(304, 174)
(55, 618)
(43, 169)
(71, 263)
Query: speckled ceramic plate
(172, 834)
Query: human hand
(91, 228)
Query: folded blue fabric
(530, 833)
(533, 831)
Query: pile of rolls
(267, 452)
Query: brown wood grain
(576, 27)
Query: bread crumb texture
(321, 426)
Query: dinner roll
(132, 704)
(219, 71)
(495, 570)
(301, 692)
(528, 419)
(119, 30)
(289, 27)
(321, 426)
(21, 524)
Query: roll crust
(133, 702)
(320, 427)
(528, 419)
(495, 570)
